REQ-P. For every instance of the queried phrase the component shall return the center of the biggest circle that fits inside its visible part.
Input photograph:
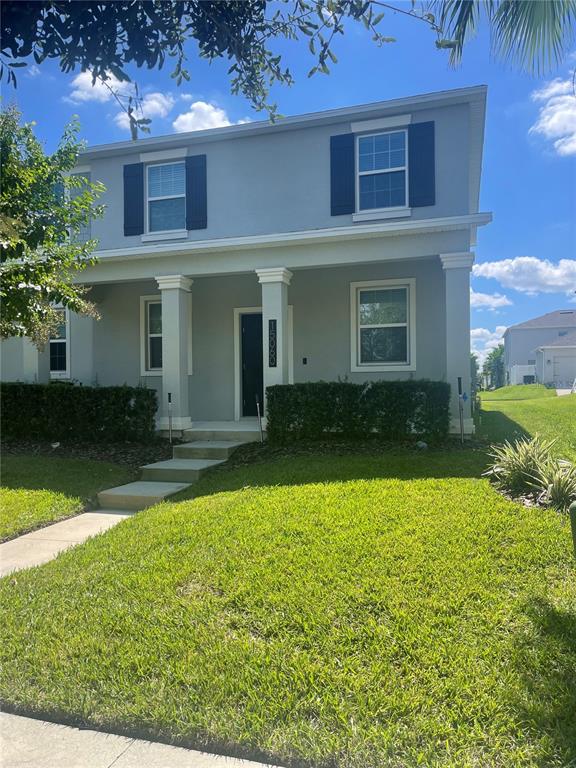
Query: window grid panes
(382, 171)
(58, 349)
(166, 197)
(154, 335)
(383, 326)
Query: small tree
(474, 374)
(494, 367)
(42, 211)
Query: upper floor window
(382, 167)
(60, 348)
(166, 197)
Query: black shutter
(421, 165)
(134, 199)
(196, 193)
(342, 180)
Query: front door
(252, 363)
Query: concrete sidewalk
(26, 742)
(44, 544)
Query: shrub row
(60, 411)
(393, 410)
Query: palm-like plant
(533, 34)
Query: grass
(518, 392)
(513, 414)
(38, 490)
(349, 611)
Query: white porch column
(275, 282)
(457, 268)
(176, 301)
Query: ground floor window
(60, 348)
(383, 325)
(153, 334)
(151, 329)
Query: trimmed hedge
(60, 411)
(393, 410)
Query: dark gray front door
(252, 364)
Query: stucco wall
(521, 344)
(280, 181)
(321, 312)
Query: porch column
(175, 290)
(275, 282)
(457, 268)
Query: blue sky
(525, 260)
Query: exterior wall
(321, 329)
(21, 361)
(545, 368)
(280, 181)
(520, 344)
(518, 372)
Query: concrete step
(207, 449)
(138, 495)
(244, 431)
(233, 435)
(178, 470)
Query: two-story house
(323, 246)
(542, 349)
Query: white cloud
(33, 71)
(557, 116)
(83, 90)
(152, 105)
(483, 340)
(530, 275)
(489, 301)
(200, 116)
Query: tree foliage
(43, 209)
(106, 37)
(493, 368)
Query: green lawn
(518, 392)
(37, 490)
(350, 611)
(512, 415)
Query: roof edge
(471, 94)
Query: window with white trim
(383, 325)
(153, 335)
(59, 347)
(382, 181)
(166, 192)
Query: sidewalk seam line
(122, 753)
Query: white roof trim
(303, 237)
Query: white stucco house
(542, 350)
(329, 245)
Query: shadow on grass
(306, 463)
(496, 427)
(548, 666)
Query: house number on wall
(272, 347)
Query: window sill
(393, 368)
(392, 213)
(176, 234)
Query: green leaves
(65, 412)
(391, 410)
(43, 208)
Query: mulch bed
(127, 454)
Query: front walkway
(44, 544)
(562, 392)
(26, 742)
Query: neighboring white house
(556, 362)
(542, 350)
(323, 246)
